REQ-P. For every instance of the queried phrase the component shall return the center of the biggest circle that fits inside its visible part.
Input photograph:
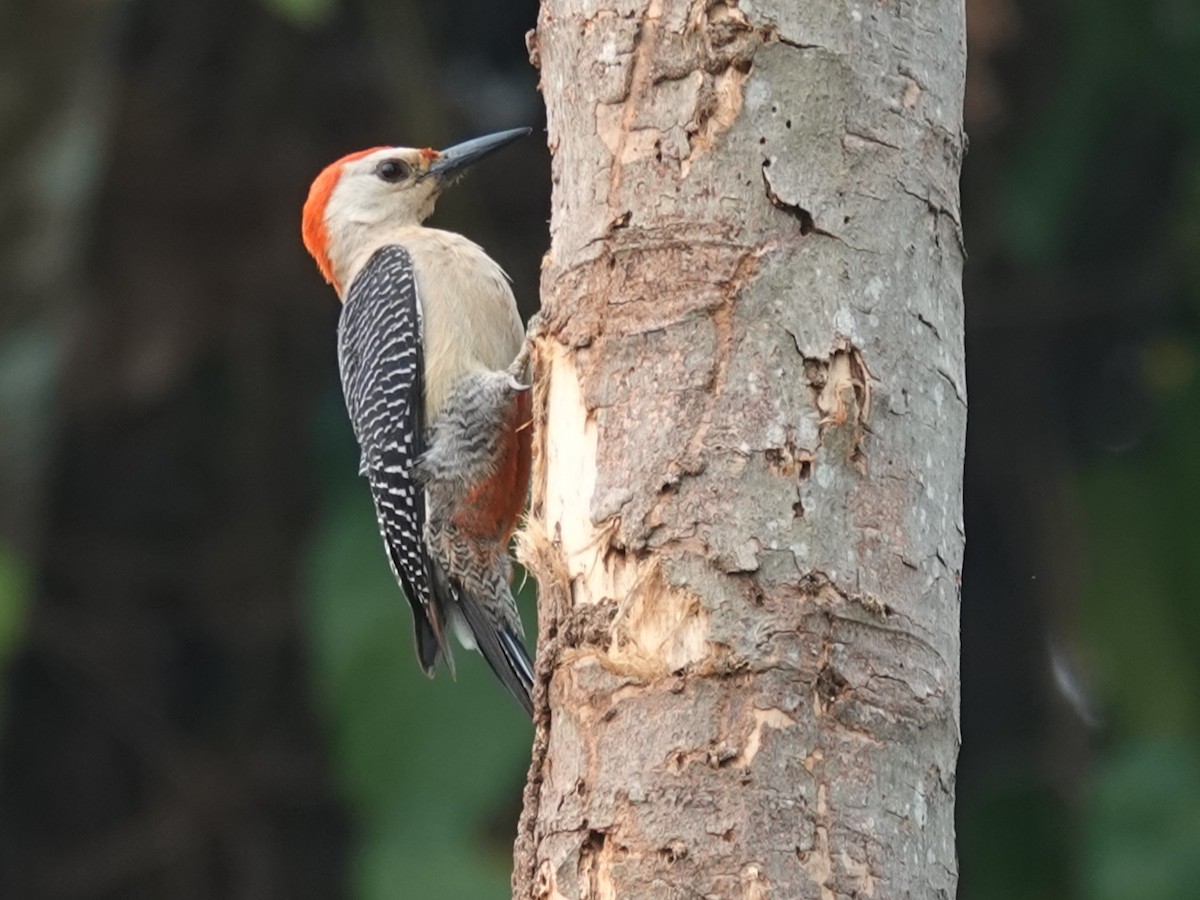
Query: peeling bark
(750, 413)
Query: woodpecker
(431, 353)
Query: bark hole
(841, 389)
(595, 864)
(789, 461)
(673, 852)
(829, 685)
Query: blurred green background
(207, 687)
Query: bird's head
(355, 201)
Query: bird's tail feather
(502, 648)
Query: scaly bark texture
(746, 521)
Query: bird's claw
(519, 365)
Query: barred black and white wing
(380, 356)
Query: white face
(391, 186)
(363, 200)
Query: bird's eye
(392, 170)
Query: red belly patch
(492, 508)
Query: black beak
(453, 160)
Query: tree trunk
(746, 520)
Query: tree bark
(750, 412)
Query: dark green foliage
(1098, 237)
